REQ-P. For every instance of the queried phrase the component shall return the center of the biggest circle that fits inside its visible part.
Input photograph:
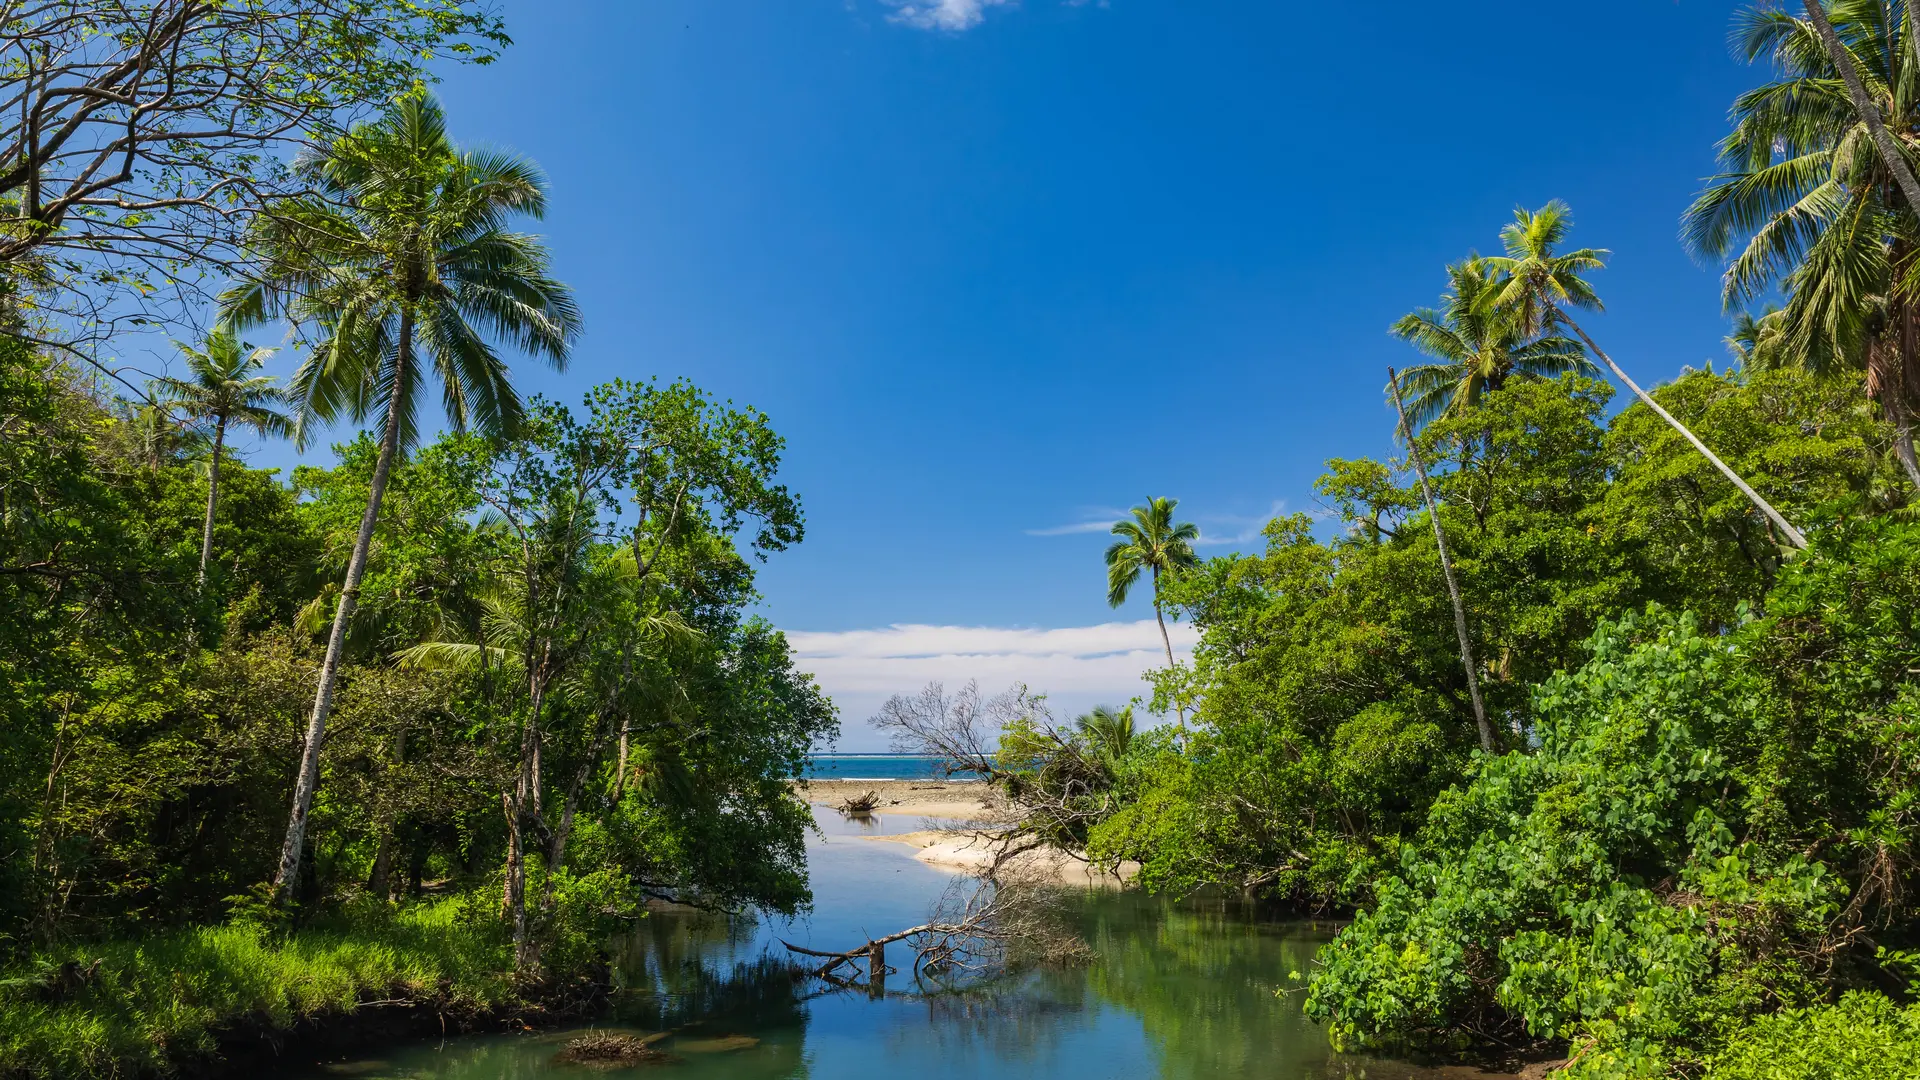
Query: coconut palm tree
(1479, 344)
(401, 263)
(1150, 542)
(1812, 198)
(1544, 286)
(1755, 340)
(1446, 566)
(1109, 733)
(225, 390)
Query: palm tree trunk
(1862, 104)
(1903, 176)
(1446, 570)
(1794, 536)
(1903, 448)
(213, 499)
(337, 638)
(1178, 708)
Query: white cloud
(1216, 530)
(1236, 529)
(1077, 667)
(952, 15)
(1094, 519)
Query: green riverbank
(189, 1000)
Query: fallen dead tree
(981, 927)
(1051, 783)
(860, 804)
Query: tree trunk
(337, 638)
(213, 499)
(1862, 104)
(1168, 642)
(1794, 536)
(525, 809)
(1446, 570)
(380, 881)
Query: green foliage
(159, 1002)
(1645, 881)
(1865, 1036)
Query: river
(1176, 989)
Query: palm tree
(1109, 734)
(404, 248)
(225, 390)
(1542, 286)
(1150, 542)
(1446, 567)
(1812, 199)
(1479, 344)
(1755, 340)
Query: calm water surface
(1178, 990)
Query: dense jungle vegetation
(1630, 770)
(1600, 722)
(423, 725)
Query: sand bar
(948, 800)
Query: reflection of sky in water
(1178, 991)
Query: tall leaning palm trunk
(404, 244)
(1446, 569)
(1793, 536)
(1542, 286)
(309, 775)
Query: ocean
(876, 767)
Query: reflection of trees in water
(690, 973)
(1012, 1018)
(1202, 977)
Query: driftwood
(860, 804)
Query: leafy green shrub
(1708, 820)
(1865, 1037)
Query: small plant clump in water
(612, 1050)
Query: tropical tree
(225, 390)
(1108, 732)
(1543, 285)
(1813, 198)
(1479, 344)
(404, 248)
(1754, 340)
(1446, 566)
(1150, 542)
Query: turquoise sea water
(1183, 990)
(875, 767)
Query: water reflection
(1177, 990)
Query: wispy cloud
(950, 15)
(1076, 666)
(1216, 530)
(1093, 519)
(1236, 529)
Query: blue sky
(998, 270)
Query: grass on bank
(1866, 1036)
(158, 1002)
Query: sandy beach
(946, 800)
(958, 827)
